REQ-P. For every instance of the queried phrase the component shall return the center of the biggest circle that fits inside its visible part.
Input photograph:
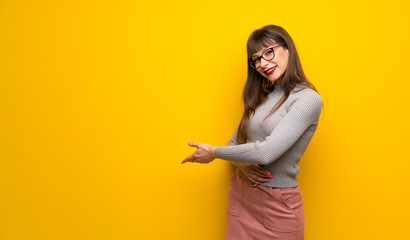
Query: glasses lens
(254, 64)
(258, 63)
(269, 54)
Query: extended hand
(205, 153)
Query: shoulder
(302, 93)
(305, 101)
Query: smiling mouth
(270, 70)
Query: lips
(270, 70)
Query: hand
(254, 172)
(205, 153)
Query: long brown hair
(256, 90)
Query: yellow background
(98, 100)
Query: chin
(272, 78)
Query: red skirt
(260, 212)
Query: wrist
(213, 153)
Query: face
(276, 67)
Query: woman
(282, 110)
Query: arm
(303, 112)
(233, 141)
(253, 172)
(205, 153)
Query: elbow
(265, 158)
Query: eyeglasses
(268, 55)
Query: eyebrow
(263, 50)
(257, 55)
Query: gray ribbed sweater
(278, 143)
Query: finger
(262, 175)
(257, 171)
(252, 180)
(262, 172)
(260, 179)
(265, 177)
(192, 144)
(190, 158)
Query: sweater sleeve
(233, 140)
(303, 112)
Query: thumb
(192, 144)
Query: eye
(270, 51)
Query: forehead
(258, 47)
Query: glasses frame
(252, 63)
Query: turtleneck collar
(278, 88)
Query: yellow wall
(98, 100)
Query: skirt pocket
(235, 195)
(279, 215)
(292, 197)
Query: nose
(264, 62)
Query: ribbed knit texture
(278, 143)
